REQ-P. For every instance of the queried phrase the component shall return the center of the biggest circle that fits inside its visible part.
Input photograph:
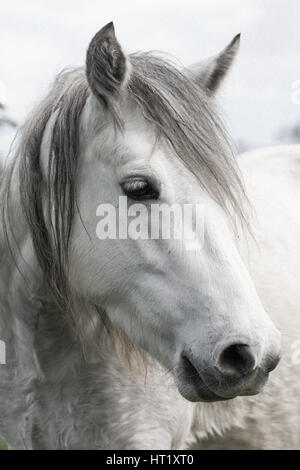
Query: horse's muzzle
(234, 368)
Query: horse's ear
(106, 64)
(211, 72)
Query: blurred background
(260, 99)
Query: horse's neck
(33, 330)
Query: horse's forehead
(138, 149)
(135, 141)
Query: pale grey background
(39, 38)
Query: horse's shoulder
(281, 160)
(285, 157)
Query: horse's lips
(199, 392)
(194, 387)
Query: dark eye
(139, 188)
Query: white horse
(144, 344)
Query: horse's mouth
(193, 387)
(199, 393)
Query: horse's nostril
(236, 359)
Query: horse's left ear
(211, 72)
(106, 64)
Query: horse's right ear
(106, 64)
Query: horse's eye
(139, 188)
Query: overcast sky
(39, 38)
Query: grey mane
(180, 111)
